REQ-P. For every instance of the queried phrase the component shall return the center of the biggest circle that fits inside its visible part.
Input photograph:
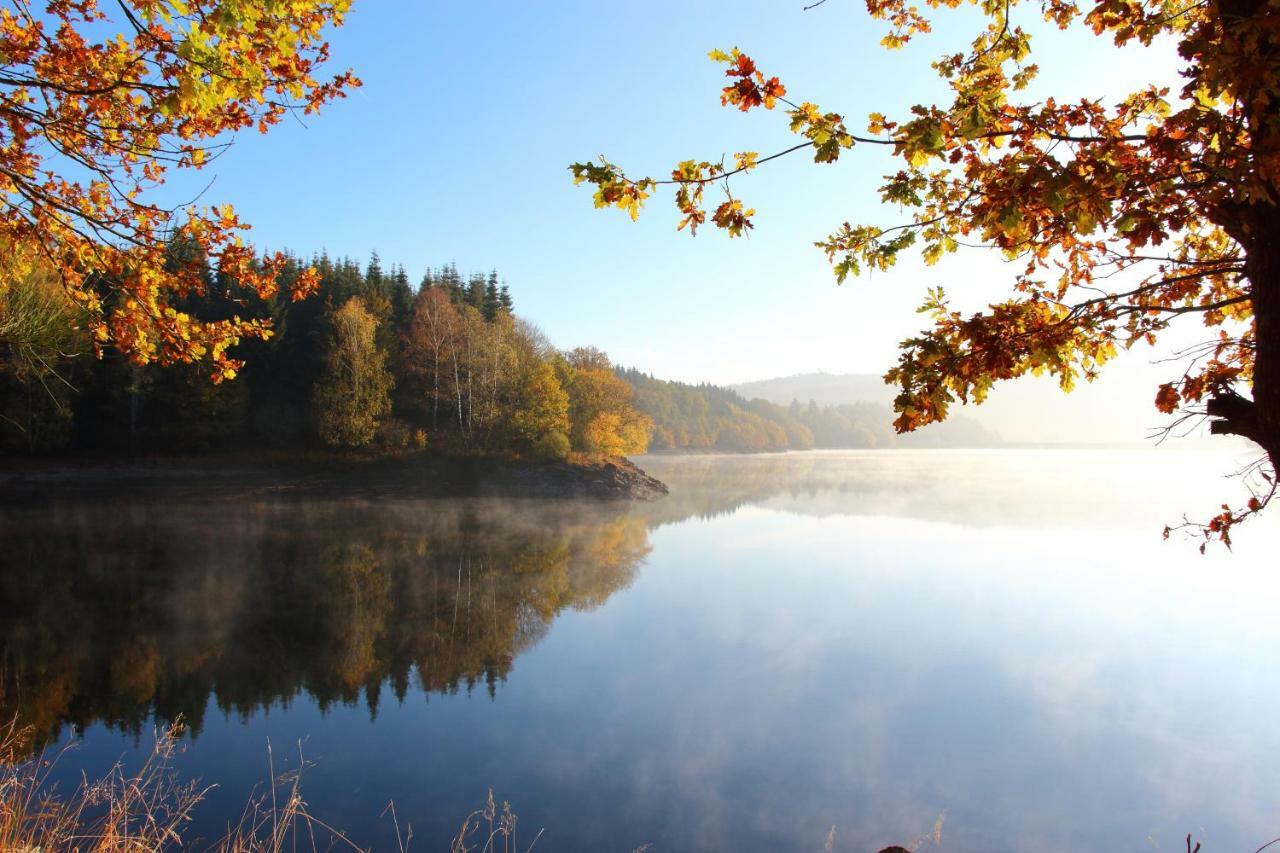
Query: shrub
(394, 434)
(552, 446)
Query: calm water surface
(871, 641)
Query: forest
(368, 361)
(710, 418)
(374, 362)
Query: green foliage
(198, 415)
(369, 360)
(708, 418)
(704, 417)
(40, 332)
(355, 388)
(542, 409)
(552, 447)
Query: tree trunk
(457, 387)
(1254, 223)
(1258, 419)
(1264, 279)
(435, 390)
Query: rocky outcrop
(612, 478)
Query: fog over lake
(997, 641)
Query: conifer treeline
(373, 361)
(369, 360)
(707, 417)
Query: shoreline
(318, 475)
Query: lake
(997, 645)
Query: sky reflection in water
(868, 640)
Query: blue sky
(456, 149)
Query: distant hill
(710, 418)
(1116, 409)
(825, 389)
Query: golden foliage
(94, 122)
(1122, 218)
(354, 392)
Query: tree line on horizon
(368, 361)
(712, 418)
(373, 361)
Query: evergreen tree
(401, 296)
(492, 299)
(373, 272)
(365, 353)
(475, 292)
(451, 282)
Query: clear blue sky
(456, 150)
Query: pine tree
(475, 292)
(373, 273)
(492, 301)
(401, 296)
(451, 282)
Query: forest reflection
(135, 614)
(141, 612)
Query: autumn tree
(40, 335)
(486, 378)
(433, 331)
(365, 359)
(1123, 219)
(354, 391)
(100, 103)
(540, 404)
(603, 420)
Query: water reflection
(125, 615)
(1019, 488)
(861, 639)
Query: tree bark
(1258, 419)
(1264, 280)
(1254, 223)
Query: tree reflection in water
(130, 614)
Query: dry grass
(490, 830)
(145, 810)
(150, 809)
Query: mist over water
(871, 640)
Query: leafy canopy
(99, 101)
(1121, 218)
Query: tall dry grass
(148, 809)
(145, 810)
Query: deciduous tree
(603, 421)
(541, 408)
(354, 391)
(1122, 218)
(433, 332)
(41, 331)
(99, 102)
